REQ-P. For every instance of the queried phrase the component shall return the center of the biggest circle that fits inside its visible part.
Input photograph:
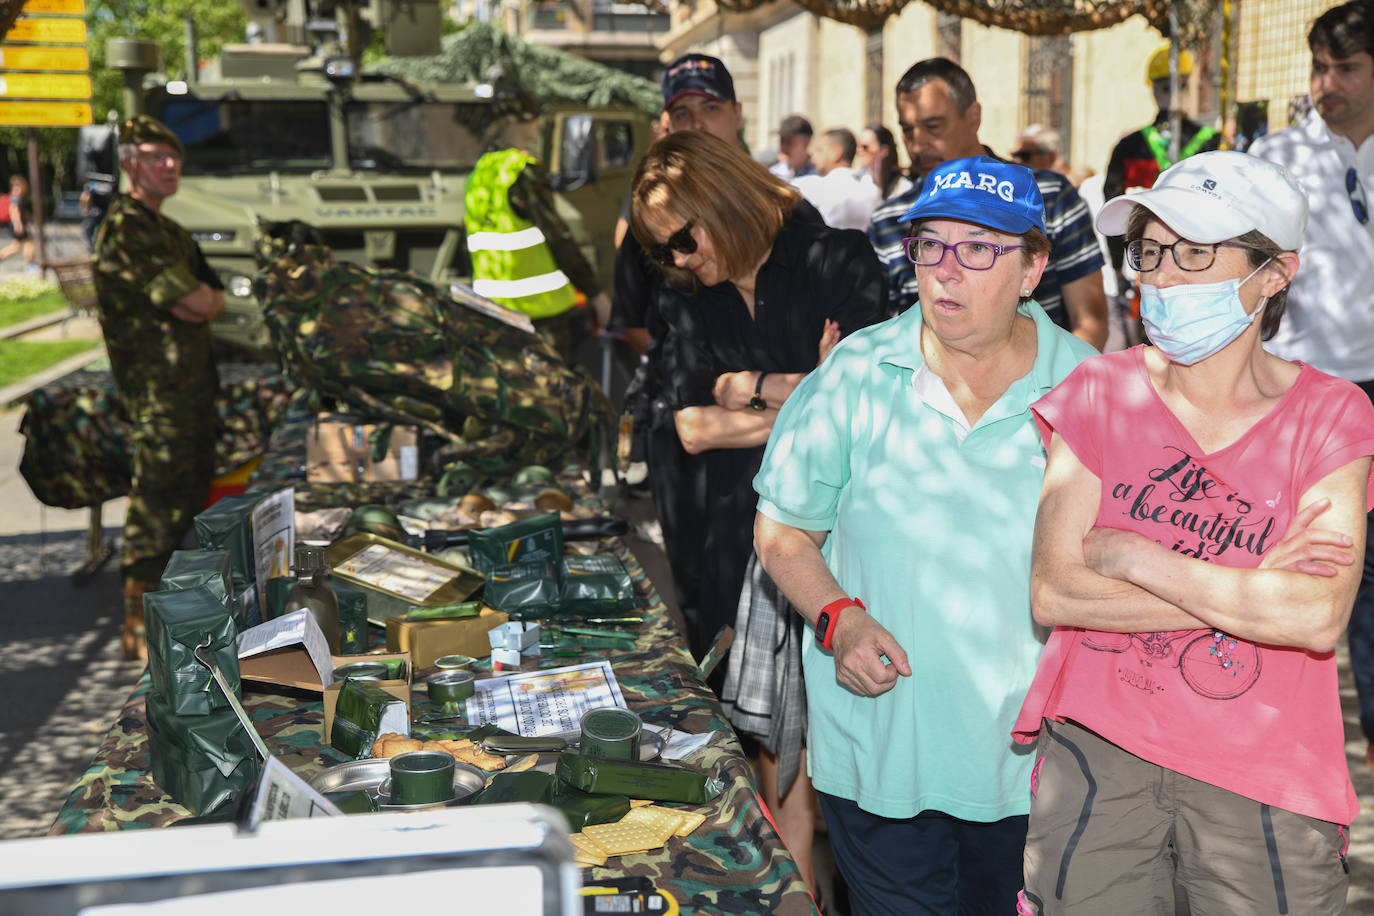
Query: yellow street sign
(60, 7)
(48, 31)
(45, 114)
(45, 86)
(74, 60)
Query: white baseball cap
(1216, 196)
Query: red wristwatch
(829, 616)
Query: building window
(608, 16)
(949, 36)
(1048, 98)
(873, 90)
(548, 14)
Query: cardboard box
(337, 451)
(291, 666)
(398, 689)
(427, 640)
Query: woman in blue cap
(896, 503)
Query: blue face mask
(1190, 322)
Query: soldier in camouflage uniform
(523, 253)
(157, 297)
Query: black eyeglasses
(1023, 155)
(1357, 203)
(681, 241)
(1145, 255)
(975, 255)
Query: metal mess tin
(612, 732)
(451, 686)
(362, 671)
(369, 775)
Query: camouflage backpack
(395, 348)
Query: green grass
(19, 360)
(16, 309)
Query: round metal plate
(368, 775)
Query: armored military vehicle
(295, 130)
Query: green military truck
(377, 164)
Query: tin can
(611, 732)
(422, 778)
(361, 671)
(453, 662)
(451, 686)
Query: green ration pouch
(584, 810)
(504, 788)
(203, 762)
(178, 622)
(352, 616)
(228, 525)
(595, 585)
(462, 611)
(537, 538)
(189, 568)
(525, 591)
(656, 781)
(365, 711)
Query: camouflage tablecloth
(733, 863)
(76, 449)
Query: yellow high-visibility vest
(511, 261)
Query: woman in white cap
(1203, 504)
(896, 502)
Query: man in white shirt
(844, 196)
(794, 149)
(1329, 322)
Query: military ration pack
(594, 585)
(228, 525)
(525, 591)
(202, 762)
(656, 781)
(538, 538)
(177, 622)
(533, 787)
(189, 568)
(363, 712)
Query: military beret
(147, 129)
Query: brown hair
(1259, 248)
(699, 177)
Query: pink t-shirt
(1260, 721)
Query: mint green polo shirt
(930, 524)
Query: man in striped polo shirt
(939, 114)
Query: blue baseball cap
(982, 190)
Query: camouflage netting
(550, 75)
(1035, 17)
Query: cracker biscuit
(587, 851)
(691, 820)
(623, 839)
(663, 821)
(474, 755)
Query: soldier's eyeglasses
(1357, 202)
(974, 255)
(681, 241)
(1145, 255)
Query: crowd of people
(1036, 548)
(1041, 595)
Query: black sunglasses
(1352, 184)
(680, 241)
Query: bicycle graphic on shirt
(1214, 665)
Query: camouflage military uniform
(164, 372)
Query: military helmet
(147, 129)
(375, 519)
(1158, 67)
